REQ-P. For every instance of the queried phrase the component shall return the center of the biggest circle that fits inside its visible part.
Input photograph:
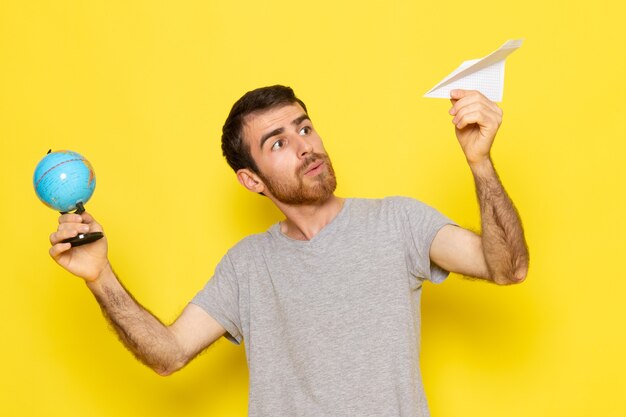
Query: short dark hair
(235, 149)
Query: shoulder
(409, 205)
(386, 202)
(390, 204)
(402, 201)
(394, 209)
(248, 245)
(243, 256)
(407, 209)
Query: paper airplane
(485, 74)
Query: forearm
(140, 331)
(503, 243)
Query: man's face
(293, 165)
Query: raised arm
(163, 348)
(499, 253)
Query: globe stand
(82, 238)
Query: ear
(250, 180)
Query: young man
(327, 300)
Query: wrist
(106, 273)
(481, 167)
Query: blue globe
(63, 179)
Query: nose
(304, 147)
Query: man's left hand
(476, 120)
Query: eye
(277, 145)
(305, 131)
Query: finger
(475, 117)
(93, 224)
(57, 250)
(492, 105)
(462, 111)
(465, 97)
(81, 227)
(87, 218)
(68, 232)
(460, 93)
(452, 110)
(468, 99)
(70, 218)
(57, 237)
(476, 107)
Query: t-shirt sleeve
(422, 223)
(220, 299)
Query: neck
(303, 222)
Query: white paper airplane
(485, 74)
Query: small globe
(63, 179)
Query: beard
(296, 192)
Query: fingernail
(84, 228)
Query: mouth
(314, 169)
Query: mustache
(310, 159)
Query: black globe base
(82, 238)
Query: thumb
(457, 94)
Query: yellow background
(142, 89)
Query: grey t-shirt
(331, 325)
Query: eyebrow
(294, 122)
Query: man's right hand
(86, 261)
